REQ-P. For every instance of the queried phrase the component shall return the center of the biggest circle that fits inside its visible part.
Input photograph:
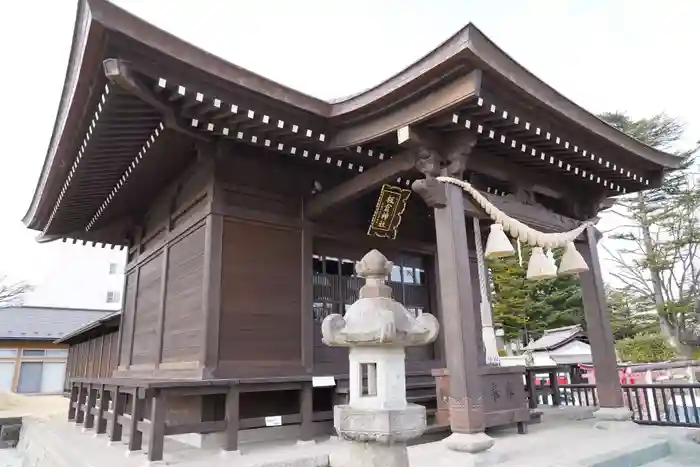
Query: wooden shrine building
(243, 205)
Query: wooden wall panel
(261, 293)
(114, 357)
(147, 309)
(184, 318)
(93, 358)
(127, 320)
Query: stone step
(672, 461)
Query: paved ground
(10, 458)
(557, 442)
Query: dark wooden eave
(466, 82)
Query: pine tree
(522, 306)
(661, 265)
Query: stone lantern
(377, 421)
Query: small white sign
(273, 421)
(323, 381)
(403, 134)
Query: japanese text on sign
(387, 213)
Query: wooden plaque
(387, 213)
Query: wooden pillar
(232, 419)
(119, 401)
(598, 327)
(156, 438)
(90, 404)
(82, 396)
(211, 300)
(135, 435)
(72, 407)
(101, 409)
(306, 319)
(132, 318)
(306, 409)
(459, 316)
(160, 325)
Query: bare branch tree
(663, 225)
(12, 293)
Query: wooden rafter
(361, 184)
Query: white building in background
(76, 276)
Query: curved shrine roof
(467, 81)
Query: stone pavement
(555, 443)
(561, 443)
(10, 458)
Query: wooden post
(134, 305)
(459, 316)
(211, 300)
(91, 401)
(232, 419)
(306, 409)
(157, 436)
(101, 408)
(82, 395)
(307, 296)
(598, 326)
(73, 401)
(161, 306)
(119, 402)
(135, 436)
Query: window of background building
(113, 296)
(113, 268)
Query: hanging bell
(571, 261)
(498, 244)
(540, 266)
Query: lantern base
(379, 426)
(352, 454)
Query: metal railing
(664, 404)
(672, 404)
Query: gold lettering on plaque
(387, 213)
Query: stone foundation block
(353, 454)
(379, 426)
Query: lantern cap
(376, 319)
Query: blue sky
(639, 56)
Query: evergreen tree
(629, 315)
(524, 307)
(661, 265)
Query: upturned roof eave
(96, 16)
(498, 61)
(83, 26)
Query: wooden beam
(120, 73)
(442, 99)
(360, 184)
(535, 216)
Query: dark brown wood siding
(146, 313)
(261, 294)
(93, 358)
(127, 320)
(183, 325)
